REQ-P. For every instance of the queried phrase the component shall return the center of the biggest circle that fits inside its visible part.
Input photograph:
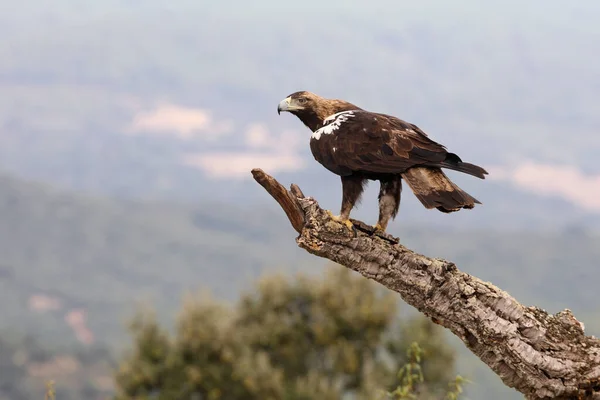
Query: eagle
(360, 146)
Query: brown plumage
(359, 145)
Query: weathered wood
(541, 355)
(286, 199)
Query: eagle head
(299, 102)
(312, 109)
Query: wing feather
(380, 143)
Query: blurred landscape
(128, 130)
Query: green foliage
(433, 344)
(298, 339)
(50, 392)
(202, 356)
(412, 379)
(411, 375)
(455, 387)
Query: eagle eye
(301, 100)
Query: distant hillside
(102, 256)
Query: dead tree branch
(541, 355)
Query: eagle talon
(349, 224)
(378, 228)
(346, 222)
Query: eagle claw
(346, 222)
(378, 228)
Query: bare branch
(541, 355)
(287, 200)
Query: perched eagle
(359, 145)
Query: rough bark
(542, 356)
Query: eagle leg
(352, 188)
(389, 201)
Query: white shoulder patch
(332, 123)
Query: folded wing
(376, 143)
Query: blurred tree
(300, 339)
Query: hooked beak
(284, 105)
(288, 105)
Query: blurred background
(127, 133)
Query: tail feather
(454, 163)
(435, 190)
